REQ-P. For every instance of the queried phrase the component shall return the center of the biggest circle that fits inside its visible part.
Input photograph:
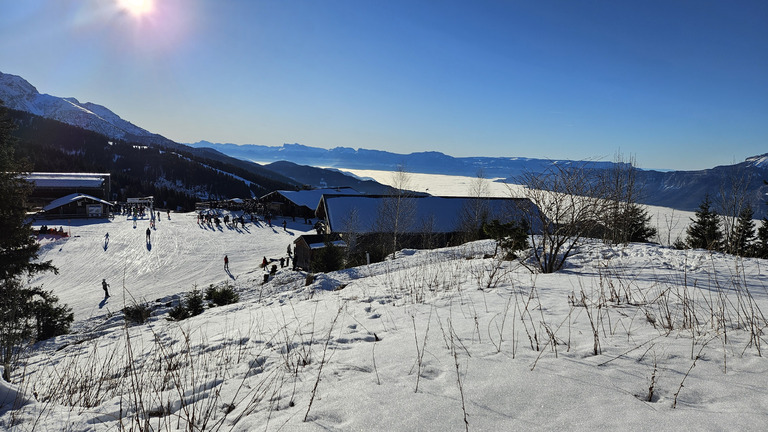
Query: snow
(19, 94)
(67, 180)
(425, 341)
(149, 271)
(71, 198)
(425, 214)
(760, 161)
(311, 198)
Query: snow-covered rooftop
(72, 198)
(423, 214)
(311, 198)
(65, 180)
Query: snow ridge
(16, 93)
(759, 161)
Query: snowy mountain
(759, 161)
(18, 94)
(421, 162)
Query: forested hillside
(177, 177)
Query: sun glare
(136, 8)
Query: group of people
(45, 230)
(211, 219)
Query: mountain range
(683, 190)
(294, 165)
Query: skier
(148, 234)
(226, 263)
(264, 263)
(105, 285)
(289, 251)
(284, 225)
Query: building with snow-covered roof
(302, 203)
(76, 206)
(373, 226)
(50, 186)
(364, 214)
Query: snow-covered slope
(149, 271)
(20, 95)
(639, 337)
(759, 161)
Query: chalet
(76, 206)
(301, 203)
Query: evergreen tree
(628, 223)
(743, 233)
(25, 313)
(704, 232)
(510, 237)
(761, 246)
(327, 259)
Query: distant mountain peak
(759, 161)
(18, 94)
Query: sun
(136, 8)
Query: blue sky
(676, 84)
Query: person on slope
(226, 263)
(148, 234)
(105, 285)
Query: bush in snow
(191, 305)
(220, 296)
(137, 313)
(510, 237)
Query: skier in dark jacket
(105, 285)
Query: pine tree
(761, 246)
(510, 237)
(629, 224)
(25, 312)
(704, 232)
(744, 233)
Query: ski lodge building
(74, 194)
(423, 221)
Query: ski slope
(180, 256)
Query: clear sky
(676, 84)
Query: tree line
(735, 234)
